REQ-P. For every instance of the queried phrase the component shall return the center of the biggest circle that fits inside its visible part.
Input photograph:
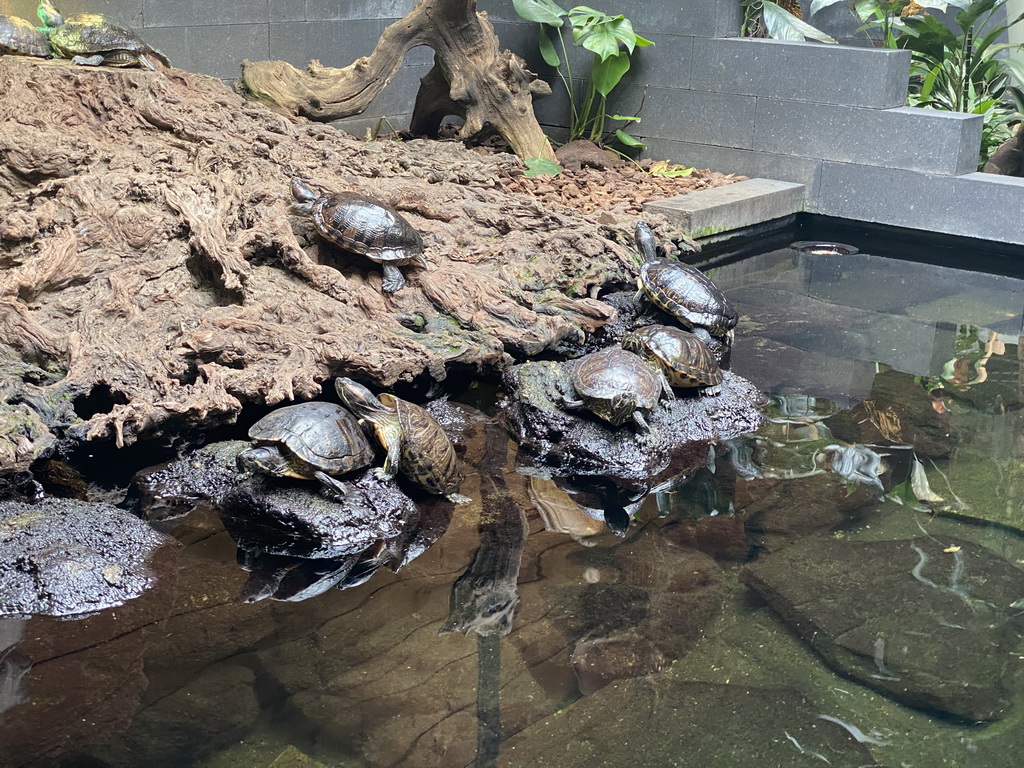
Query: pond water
(837, 589)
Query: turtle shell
(686, 293)
(428, 457)
(684, 358)
(368, 227)
(315, 436)
(86, 34)
(18, 36)
(613, 383)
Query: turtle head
(303, 194)
(261, 458)
(645, 241)
(49, 15)
(358, 399)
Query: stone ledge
(723, 209)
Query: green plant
(766, 18)
(965, 72)
(611, 39)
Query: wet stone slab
(698, 725)
(933, 625)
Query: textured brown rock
(152, 265)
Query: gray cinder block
(908, 137)
(815, 72)
(735, 206)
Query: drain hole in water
(823, 249)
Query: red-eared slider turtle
(684, 292)
(19, 37)
(365, 226)
(681, 356)
(415, 442)
(618, 386)
(92, 39)
(311, 440)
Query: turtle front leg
(88, 61)
(333, 488)
(394, 280)
(641, 423)
(390, 436)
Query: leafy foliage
(771, 19)
(612, 41)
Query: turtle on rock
(313, 440)
(18, 37)
(91, 39)
(684, 292)
(617, 386)
(416, 444)
(365, 226)
(681, 356)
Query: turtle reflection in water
(686, 293)
(416, 444)
(365, 226)
(311, 440)
(91, 39)
(617, 386)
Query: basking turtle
(91, 39)
(684, 292)
(681, 356)
(311, 440)
(19, 37)
(618, 386)
(415, 442)
(365, 226)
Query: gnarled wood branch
(490, 89)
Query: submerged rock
(928, 624)
(63, 557)
(711, 725)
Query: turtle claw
(394, 280)
(382, 474)
(458, 498)
(333, 489)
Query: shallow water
(875, 366)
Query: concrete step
(712, 212)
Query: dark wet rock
(203, 477)
(928, 624)
(85, 676)
(698, 725)
(69, 558)
(578, 442)
(603, 660)
(297, 520)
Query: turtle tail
(147, 57)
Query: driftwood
(153, 276)
(471, 78)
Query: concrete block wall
(829, 117)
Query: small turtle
(19, 37)
(416, 444)
(91, 39)
(365, 226)
(681, 356)
(618, 386)
(684, 292)
(313, 440)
